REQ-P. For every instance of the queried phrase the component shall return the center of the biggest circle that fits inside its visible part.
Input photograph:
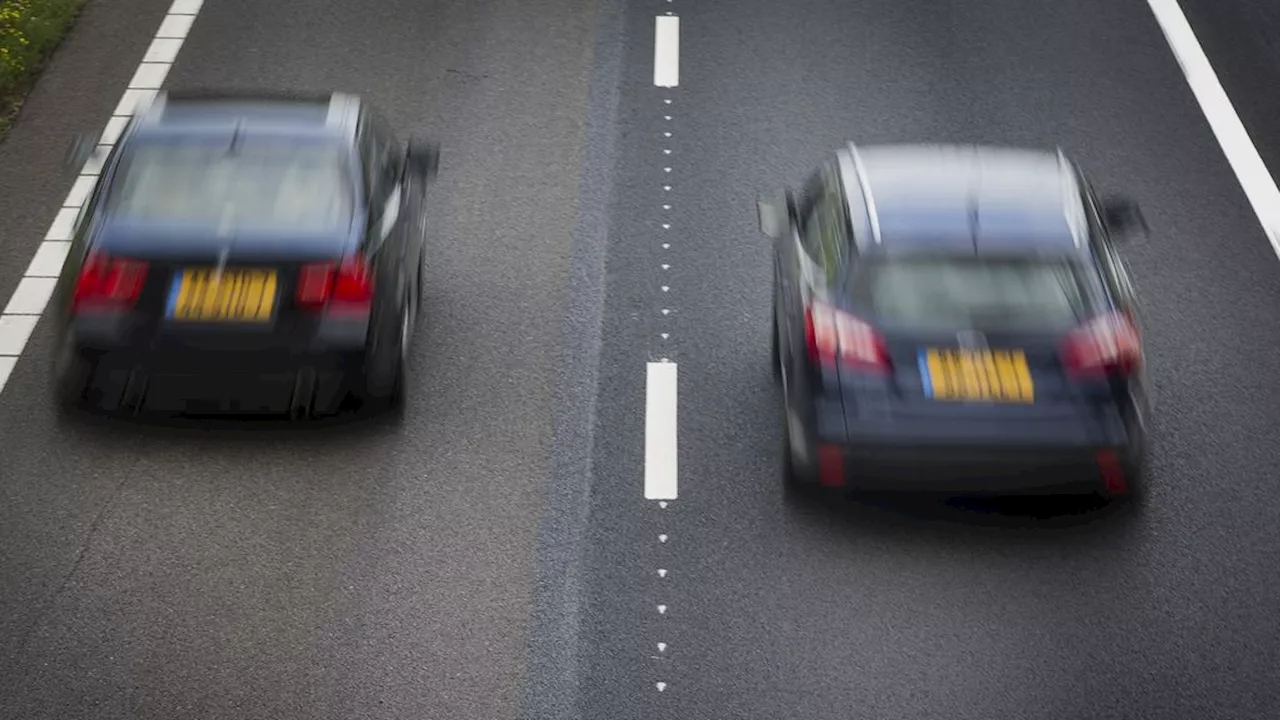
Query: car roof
(220, 113)
(968, 199)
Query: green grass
(30, 30)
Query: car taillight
(346, 288)
(1107, 344)
(107, 283)
(836, 336)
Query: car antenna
(974, 194)
(236, 136)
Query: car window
(997, 293)
(267, 186)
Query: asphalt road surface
(495, 556)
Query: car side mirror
(82, 147)
(1123, 217)
(774, 214)
(423, 158)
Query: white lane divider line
(666, 51)
(1258, 184)
(660, 468)
(31, 297)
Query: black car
(245, 252)
(956, 319)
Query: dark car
(956, 319)
(245, 252)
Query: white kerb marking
(6, 369)
(666, 51)
(175, 26)
(149, 76)
(14, 331)
(133, 99)
(63, 224)
(31, 296)
(660, 467)
(163, 50)
(115, 126)
(49, 259)
(79, 191)
(185, 7)
(1257, 182)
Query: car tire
(775, 345)
(797, 481)
(71, 374)
(386, 382)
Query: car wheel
(71, 374)
(775, 352)
(1135, 474)
(419, 290)
(400, 389)
(385, 382)
(798, 478)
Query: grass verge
(30, 30)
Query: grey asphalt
(880, 610)
(372, 572)
(494, 557)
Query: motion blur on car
(957, 319)
(247, 253)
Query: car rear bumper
(975, 470)
(178, 381)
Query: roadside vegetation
(30, 31)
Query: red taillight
(347, 288)
(836, 335)
(107, 283)
(1107, 344)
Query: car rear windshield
(263, 186)
(997, 293)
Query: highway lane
(769, 609)
(352, 572)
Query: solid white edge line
(660, 467)
(666, 51)
(1259, 186)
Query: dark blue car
(956, 319)
(245, 253)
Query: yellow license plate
(235, 295)
(977, 375)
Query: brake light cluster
(1109, 344)
(835, 336)
(345, 287)
(108, 283)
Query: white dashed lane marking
(660, 464)
(23, 310)
(666, 51)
